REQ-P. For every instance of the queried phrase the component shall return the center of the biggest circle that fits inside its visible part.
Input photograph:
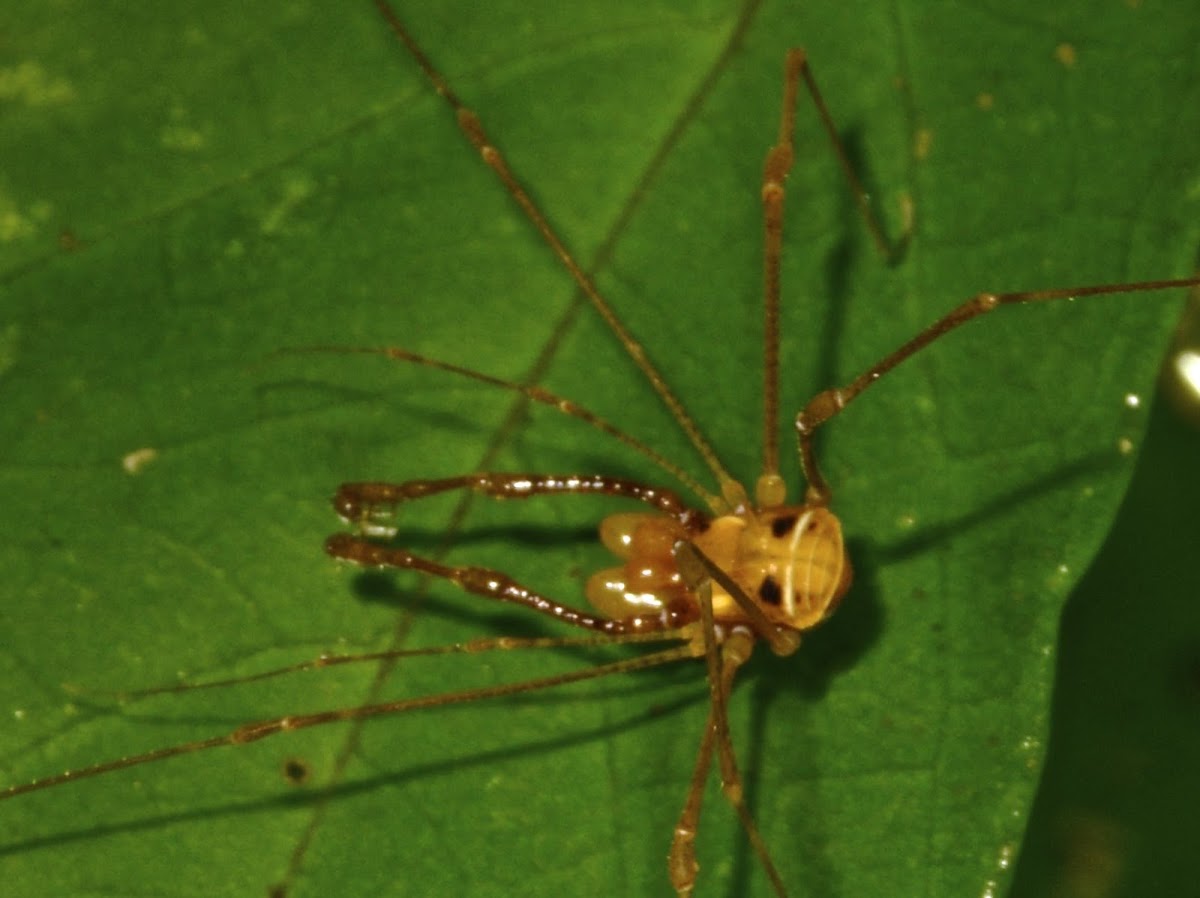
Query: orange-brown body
(788, 560)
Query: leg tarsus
(891, 250)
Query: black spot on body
(769, 591)
(782, 526)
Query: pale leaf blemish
(180, 136)
(1004, 857)
(194, 36)
(922, 143)
(1192, 191)
(29, 83)
(1060, 580)
(135, 461)
(17, 223)
(295, 191)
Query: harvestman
(714, 581)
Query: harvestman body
(714, 582)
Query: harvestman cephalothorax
(709, 583)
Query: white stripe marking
(789, 591)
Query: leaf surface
(248, 182)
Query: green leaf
(1113, 813)
(185, 193)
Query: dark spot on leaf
(295, 771)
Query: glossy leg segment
(723, 659)
(261, 729)
(472, 128)
(779, 162)
(827, 404)
(372, 507)
(371, 504)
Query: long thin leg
(470, 647)
(543, 396)
(735, 651)
(681, 859)
(830, 403)
(472, 127)
(252, 732)
(371, 505)
(723, 661)
(890, 250)
(771, 489)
